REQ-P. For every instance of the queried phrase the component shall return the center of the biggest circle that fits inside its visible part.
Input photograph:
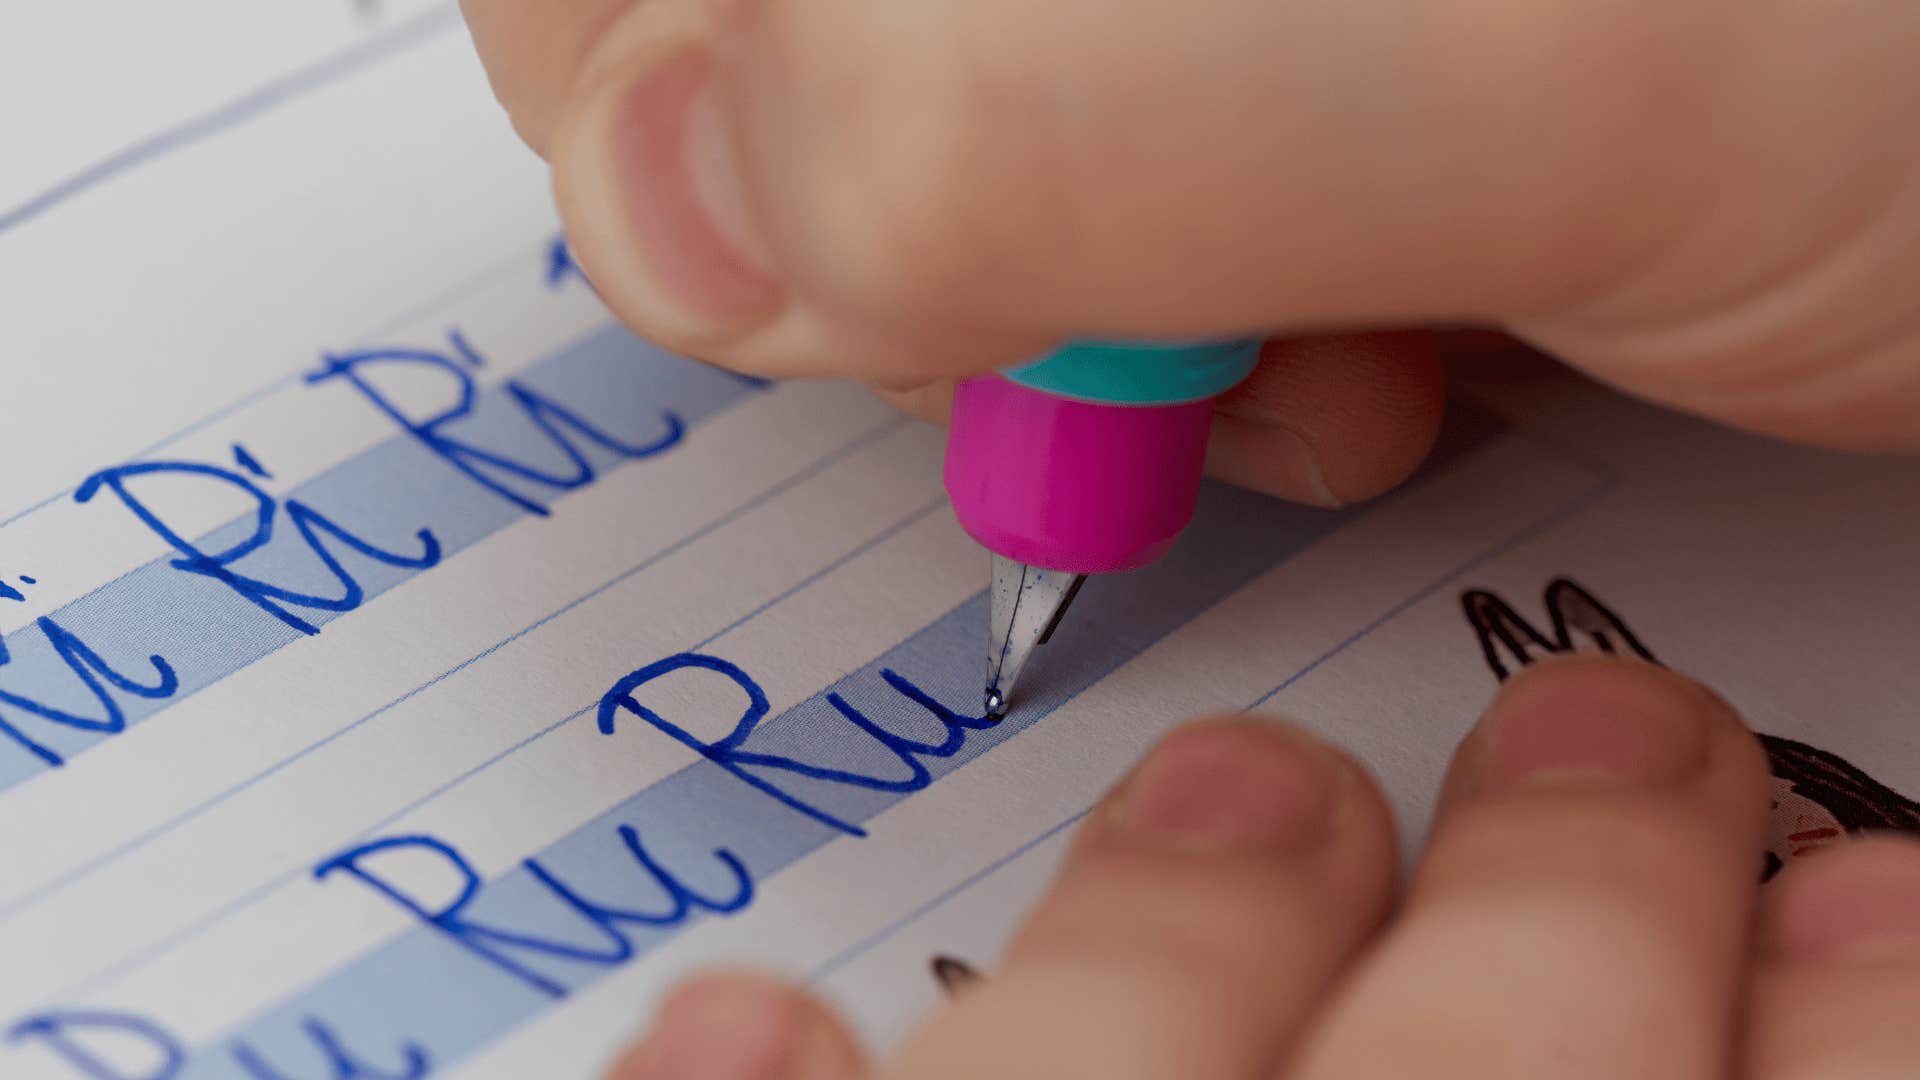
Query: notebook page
(128, 75)
(409, 670)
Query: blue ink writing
(341, 1063)
(313, 527)
(491, 469)
(560, 264)
(88, 666)
(491, 943)
(77, 1037)
(70, 1033)
(730, 752)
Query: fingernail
(1239, 786)
(733, 1032)
(1300, 458)
(1861, 901)
(678, 174)
(1595, 722)
(1254, 453)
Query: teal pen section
(1140, 373)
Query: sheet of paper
(409, 671)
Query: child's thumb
(901, 189)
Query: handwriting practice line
(487, 275)
(828, 790)
(1558, 515)
(163, 946)
(140, 840)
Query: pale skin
(1713, 205)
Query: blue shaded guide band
(446, 480)
(698, 843)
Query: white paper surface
(260, 873)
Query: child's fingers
(1725, 222)
(1837, 985)
(1333, 420)
(739, 1026)
(1722, 222)
(1195, 925)
(822, 185)
(1582, 908)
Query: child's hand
(1712, 203)
(1587, 907)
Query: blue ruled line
(1555, 517)
(248, 899)
(859, 948)
(1564, 511)
(487, 275)
(140, 840)
(342, 65)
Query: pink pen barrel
(1071, 485)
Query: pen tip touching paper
(1027, 603)
(996, 704)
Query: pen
(1086, 461)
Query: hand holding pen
(1710, 205)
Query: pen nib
(1027, 603)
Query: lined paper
(410, 671)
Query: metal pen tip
(1027, 603)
